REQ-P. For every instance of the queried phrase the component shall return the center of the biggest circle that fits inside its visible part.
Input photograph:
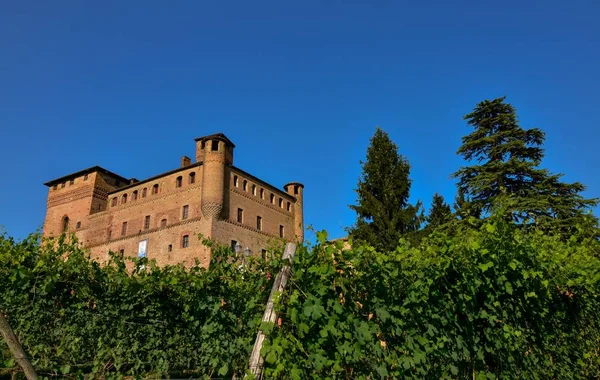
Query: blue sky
(298, 87)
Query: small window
(259, 223)
(155, 189)
(185, 241)
(147, 222)
(240, 216)
(264, 254)
(192, 178)
(71, 182)
(109, 234)
(281, 231)
(202, 144)
(235, 181)
(289, 206)
(296, 190)
(78, 225)
(253, 189)
(85, 177)
(163, 223)
(144, 192)
(124, 229)
(121, 252)
(185, 212)
(170, 248)
(134, 195)
(65, 224)
(113, 202)
(179, 181)
(280, 202)
(54, 187)
(272, 199)
(245, 185)
(233, 244)
(62, 185)
(214, 145)
(124, 198)
(262, 193)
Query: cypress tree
(383, 212)
(506, 172)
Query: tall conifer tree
(506, 171)
(383, 212)
(439, 213)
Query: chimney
(185, 161)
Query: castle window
(124, 229)
(245, 185)
(272, 199)
(113, 202)
(296, 190)
(147, 222)
(289, 206)
(264, 254)
(62, 185)
(253, 189)
(124, 198)
(155, 189)
(71, 182)
(134, 195)
(185, 241)
(85, 177)
(262, 193)
(281, 231)
(240, 216)
(163, 223)
(259, 223)
(235, 181)
(65, 224)
(233, 244)
(78, 225)
(214, 145)
(192, 178)
(202, 144)
(54, 187)
(109, 234)
(185, 212)
(179, 181)
(144, 192)
(170, 248)
(121, 252)
(280, 202)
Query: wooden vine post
(256, 361)
(15, 347)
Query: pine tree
(507, 174)
(383, 212)
(439, 213)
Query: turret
(296, 190)
(216, 153)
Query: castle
(161, 217)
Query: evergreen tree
(463, 208)
(383, 212)
(506, 172)
(439, 213)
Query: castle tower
(216, 153)
(296, 190)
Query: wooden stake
(15, 347)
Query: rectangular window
(147, 222)
(124, 228)
(121, 253)
(184, 214)
(259, 223)
(143, 248)
(240, 216)
(170, 248)
(281, 231)
(264, 254)
(185, 241)
(233, 244)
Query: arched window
(262, 193)
(144, 192)
(155, 189)
(192, 178)
(134, 195)
(253, 189)
(245, 185)
(235, 181)
(65, 224)
(124, 198)
(113, 202)
(272, 198)
(289, 206)
(179, 181)
(78, 225)
(280, 202)
(163, 223)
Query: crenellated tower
(296, 189)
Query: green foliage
(506, 172)
(493, 302)
(129, 318)
(383, 212)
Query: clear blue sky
(299, 88)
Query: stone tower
(216, 154)
(296, 190)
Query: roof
(83, 172)
(218, 136)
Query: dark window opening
(281, 231)
(71, 182)
(214, 145)
(233, 244)
(179, 181)
(185, 241)
(124, 198)
(192, 178)
(121, 253)
(170, 248)
(155, 189)
(62, 185)
(124, 228)
(245, 185)
(264, 254)
(134, 195)
(272, 198)
(259, 223)
(262, 193)
(113, 202)
(202, 144)
(54, 187)
(280, 202)
(240, 215)
(147, 222)
(144, 192)
(65, 224)
(289, 206)
(78, 225)
(185, 211)
(296, 190)
(253, 189)
(163, 223)
(235, 180)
